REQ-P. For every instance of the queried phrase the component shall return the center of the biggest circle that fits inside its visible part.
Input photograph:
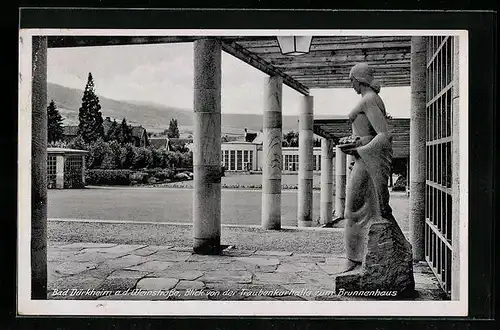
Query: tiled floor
(146, 272)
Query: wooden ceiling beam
(257, 62)
(345, 73)
(325, 40)
(93, 41)
(276, 53)
(329, 49)
(340, 69)
(333, 66)
(285, 62)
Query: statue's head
(360, 75)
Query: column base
(305, 223)
(271, 226)
(207, 246)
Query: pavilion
(428, 64)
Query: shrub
(78, 143)
(164, 174)
(128, 153)
(107, 177)
(97, 154)
(142, 158)
(73, 179)
(57, 144)
(139, 177)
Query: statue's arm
(379, 124)
(377, 118)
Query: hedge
(114, 156)
(107, 177)
(129, 177)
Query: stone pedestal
(340, 182)
(272, 163)
(388, 264)
(306, 164)
(207, 146)
(39, 169)
(326, 206)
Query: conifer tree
(113, 132)
(54, 123)
(90, 127)
(173, 129)
(125, 132)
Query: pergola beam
(319, 40)
(257, 62)
(334, 65)
(380, 57)
(333, 49)
(93, 41)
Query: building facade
(241, 156)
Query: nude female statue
(367, 193)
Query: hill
(154, 117)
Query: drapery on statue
(367, 193)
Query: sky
(163, 74)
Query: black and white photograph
(243, 172)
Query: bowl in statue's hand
(348, 142)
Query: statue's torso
(361, 126)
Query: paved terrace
(87, 270)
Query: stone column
(39, 169)
(207, 146)
(349, 159)
(455, 172)
(59, 171)
(83, 170)
(326, 205)
(272, 154)
(306, 163)
(340, 182)
(408, 176)
(417, 147)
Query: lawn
(175, 205)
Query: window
(250, 158)
(51, 171)
(226, 159)
(239, 160)
(233, 160)
(73, 171)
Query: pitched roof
(158, 142)
(181, 140)
(138, 131)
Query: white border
(26, 306)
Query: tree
(173, 129)
(113, 132)
(90, 127)
(54, 123)
(292, 139)
(124, 132)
